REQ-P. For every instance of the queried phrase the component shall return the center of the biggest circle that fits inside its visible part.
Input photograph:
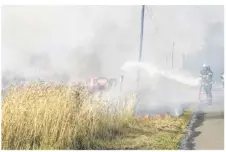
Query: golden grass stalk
(57, 116)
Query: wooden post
(141, 43)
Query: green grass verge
(155, 134)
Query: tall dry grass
(57, 116)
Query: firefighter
(222, 78)
(206, 75)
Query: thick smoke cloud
(212, 52)
(71, 42)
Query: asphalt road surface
(209, 134)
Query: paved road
(210, 132)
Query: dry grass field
(56, 116)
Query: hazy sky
(86, 40)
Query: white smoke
(110, 32)
(72, 42)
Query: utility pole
(166, 60)
(183, 60)
(141, 42)
(173, 54)
(121, 82)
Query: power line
(154, 22)
(152, 17)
